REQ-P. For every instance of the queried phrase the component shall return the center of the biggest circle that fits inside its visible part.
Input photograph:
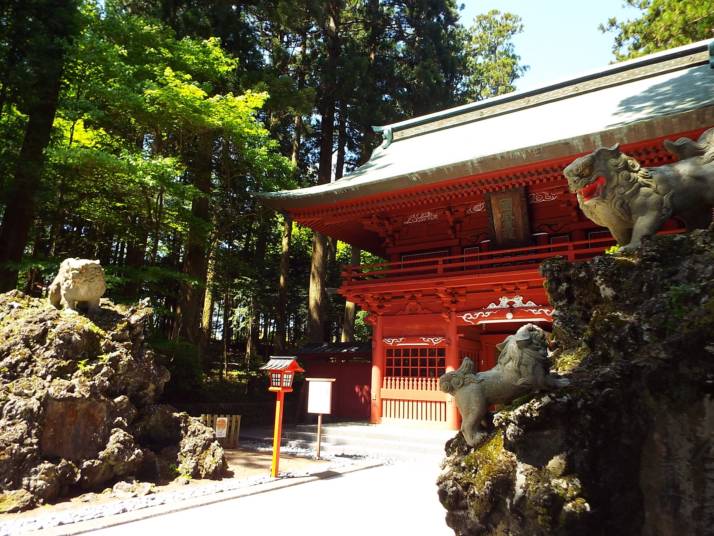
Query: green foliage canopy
(662, 24)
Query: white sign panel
(319, 395)
(221, 426)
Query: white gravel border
(111, 508)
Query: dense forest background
(136, 132)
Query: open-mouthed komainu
(633, 202)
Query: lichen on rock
(627, 447)
(75, 391)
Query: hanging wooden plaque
(508, 218)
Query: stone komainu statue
(78, 282)
(522, 367)
(633, 202)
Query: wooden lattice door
(411, 383)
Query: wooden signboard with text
(508, 218)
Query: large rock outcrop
(78, 405)
(628, 447)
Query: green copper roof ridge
(650, 59)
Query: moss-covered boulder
(628, 447)
(75, 391)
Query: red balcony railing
(410, 383)
(482, 262)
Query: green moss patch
(567, 361)
(488, 461)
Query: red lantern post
(281, 370)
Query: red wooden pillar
(375, 414)
(277, 432)
(452, 363)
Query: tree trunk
(251, 343)
(45, 58)
(195, 265)
(281, 308)
(57, 220)
(348, 321)
(318, 268)
(266, 329)
(297, 138)
(298, 122)
(158, 214)
(208, 302)
(104, 247)
(374, 38)
(122, 252)
(227, 331)
(341, 142)
(264, 221)
(135, 253)
(20, 206)
(298, 328)
(316, 295)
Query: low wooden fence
(413, 399)
(226, 428)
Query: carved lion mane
(624, 177)
(522, 367)
(524, 350)
(452, 381)
(633, 202)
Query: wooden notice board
(319, 395)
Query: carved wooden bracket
(376, 304)
(414, 305)
(387, 229)
(454, 216)
(451, 298)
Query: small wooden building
(349, 364)
(465, 203)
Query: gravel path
(12, 524)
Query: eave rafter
(438, 295)
(453, 192)
(463, 189)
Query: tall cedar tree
(158, 167)
(491, 61)
(41, 32)
(662, 24)
(327, 104)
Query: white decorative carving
(394, 340)
(547, 311)
(504, 302)
(421, 217)
(541, 197)
(478, 207)
(433, 340)
(518, 302)
(471, 318)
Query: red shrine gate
(466, 203)
(433, 323)
(427, 315)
